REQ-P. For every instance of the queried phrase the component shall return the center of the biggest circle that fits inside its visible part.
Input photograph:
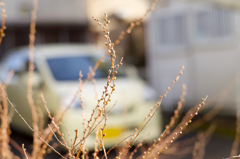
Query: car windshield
(67, 68)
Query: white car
(56, 74)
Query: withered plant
(165, 144)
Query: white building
(63, 21)
(204, 37)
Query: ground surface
(218, 147)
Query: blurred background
(71, 22)
(202, 35)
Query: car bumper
(119, 126)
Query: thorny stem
(211, 114)
(31, 68)
(24, 151)
(136, 148)
(4, 116)
(40, 113)
(195, 150)
(106, 97)
(75, 140)
(150, 115)
(133, 24)
(4, 126)
(182, 127)
(55, 126)
(69, 134)
(30, 75)
(103, 57)
(27, 123)
(112, 54)
(36, 152)
(105, 94)
(99, 113)
(19, 148)
(172, 121)
(84, 118)
(203, 140)
(117, 144)
(104, 150)
(3, 27)
(121, 36)
(57, 137)
(93, 128)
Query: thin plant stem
(3, 27)
(27, 123)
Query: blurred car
(56, 74)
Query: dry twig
(3, 27)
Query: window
(67, 68)
(18, 62)
(213, 24)
(172, 31)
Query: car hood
(127, 92)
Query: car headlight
(67, 99)
(149, 94)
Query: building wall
(17, 35)
(202, 36)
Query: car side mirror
(37, 80)
(132, 71)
